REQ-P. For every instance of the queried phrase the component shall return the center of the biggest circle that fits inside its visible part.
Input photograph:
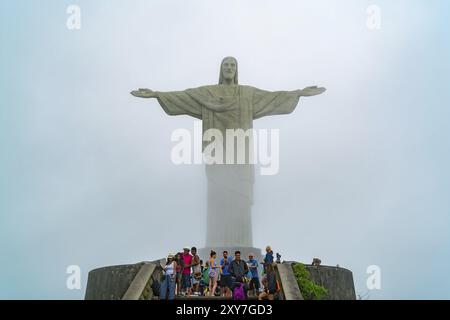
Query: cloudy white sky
(86, 176)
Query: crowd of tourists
(185, 274)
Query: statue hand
(144, 93)
(312, 91)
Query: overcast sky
(85, 172)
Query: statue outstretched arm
(144, 93)
(267, 103)
(311, 91)
(174, 103)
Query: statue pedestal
(204, 253)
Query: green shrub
(308, 288)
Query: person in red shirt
(186, 273)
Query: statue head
(228, 71)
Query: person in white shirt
(169, 279)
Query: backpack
(205, 276)
(238, 292)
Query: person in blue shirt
(254, 282)
(225, 278)
(268, 259)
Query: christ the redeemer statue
(228, 105)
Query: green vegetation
(308, 288)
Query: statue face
(229, 69)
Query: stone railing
(288, 283)
(141, 286)
(126, 282)
(338, 281)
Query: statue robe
(230, 186)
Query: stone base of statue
(204, 253)
(141, 281)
